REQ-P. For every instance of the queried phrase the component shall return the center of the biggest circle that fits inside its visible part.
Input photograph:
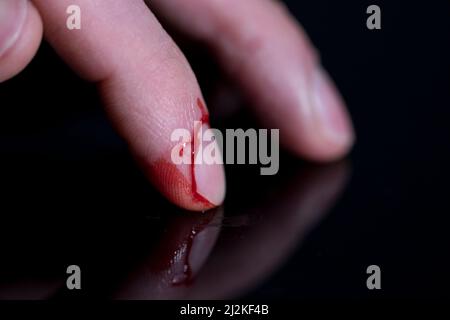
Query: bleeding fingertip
(209, 184)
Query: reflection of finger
(270, 57)
(147, 84)
(29, 289)
(172, 269)
(259, 249)
(20, 36)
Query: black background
(71, 194)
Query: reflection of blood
(185, 277)
(173, 259)
(204, 119)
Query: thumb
(20, 36)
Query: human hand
(149, 89)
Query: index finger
(148, 87)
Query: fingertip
(197, 183)
(20, 37)
(332, 116)
(176, 184)
(326, 131)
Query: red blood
(169, 175)
(204, 119)
(205, 115)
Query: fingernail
(209, 179)
(331, 115)
(12, 18)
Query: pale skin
(149, 88)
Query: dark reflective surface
(71, 194)
(253, 243)
(131, 244)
